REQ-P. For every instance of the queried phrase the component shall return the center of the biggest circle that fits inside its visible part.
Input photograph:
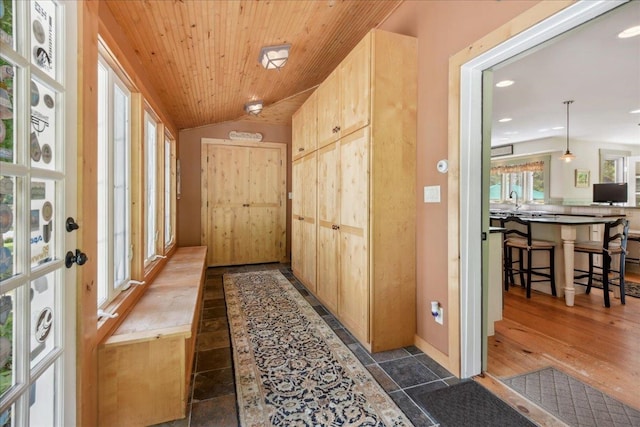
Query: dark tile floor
(404, 374)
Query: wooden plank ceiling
(201, 56)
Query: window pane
(7, 343)
(41, 217)
(150, 175)
(103, 182)
(43, 35)
(43, 132)
(120, 187)
(167, 191)
(7, 137)
(42, 399)
(6, 24)
(8, 242)
(42, 295)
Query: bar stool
(517, 237)
(614, 242)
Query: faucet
(511, 194)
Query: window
(169, 189)
(150, 185)
(613, 165)
(528, 178)
(114, 195)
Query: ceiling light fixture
(253, 108)
(635, 111)
(505, 120)
(274, 57)
(504, 83)
(567, 156)
(630, 32)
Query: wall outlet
(440, 317)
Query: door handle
(246, 205)
(79, 258)
(71, 224)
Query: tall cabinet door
(328, 223)
(328, 104)
(297, 245)
(309, 213)
(264, 205)
(354, 295)
(227, 229)
(355, 88)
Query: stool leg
(522, 267)
(552, 271)
(529, 261)
(605, 280)
(621, 279)
(590, 279)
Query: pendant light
(567, 156)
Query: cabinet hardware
(79, 258)
(301, 218)
(300, 149)
(71, 224)
(246, 205)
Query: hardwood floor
(598, 345)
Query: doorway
(472, 227)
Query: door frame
(539, 24)
(282, 223)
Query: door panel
(354, 179)
(329, 110)
(354, 283)
(37, 192)
(355, 77)
(328, 220)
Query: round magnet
(38, 31)
(47, 211)
(35, 94)
(48, 101)
(36, 152)
(46, 153)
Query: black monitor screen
(610, 192)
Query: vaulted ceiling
(201, 56)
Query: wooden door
(243, 187)
(265, 203)
(328, 222)
(328, 105)
(227, 191)
(354, 302)
(355, 88)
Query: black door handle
(79, 258)
(71, 224)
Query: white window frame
(108, 285)
(151, 126)
(169, 190)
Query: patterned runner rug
(290, 367)
(574, 402)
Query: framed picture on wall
(582, 178)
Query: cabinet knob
(246, 205)
(300, 149)
(301, 218)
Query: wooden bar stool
(517, 237)
(614, 242)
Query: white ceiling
(589, 65)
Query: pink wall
(443, 28)
(189, 155)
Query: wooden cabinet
(344, 97)
(303, 128)
(303, 214)
(367, 191)
(243, 189)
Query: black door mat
(469, 404)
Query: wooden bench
(144, 367)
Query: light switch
(432, 194)
(290, 195)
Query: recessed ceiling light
(630, 32)
(504, 83)
(635, 111)
(506, 119)
(557, 128)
